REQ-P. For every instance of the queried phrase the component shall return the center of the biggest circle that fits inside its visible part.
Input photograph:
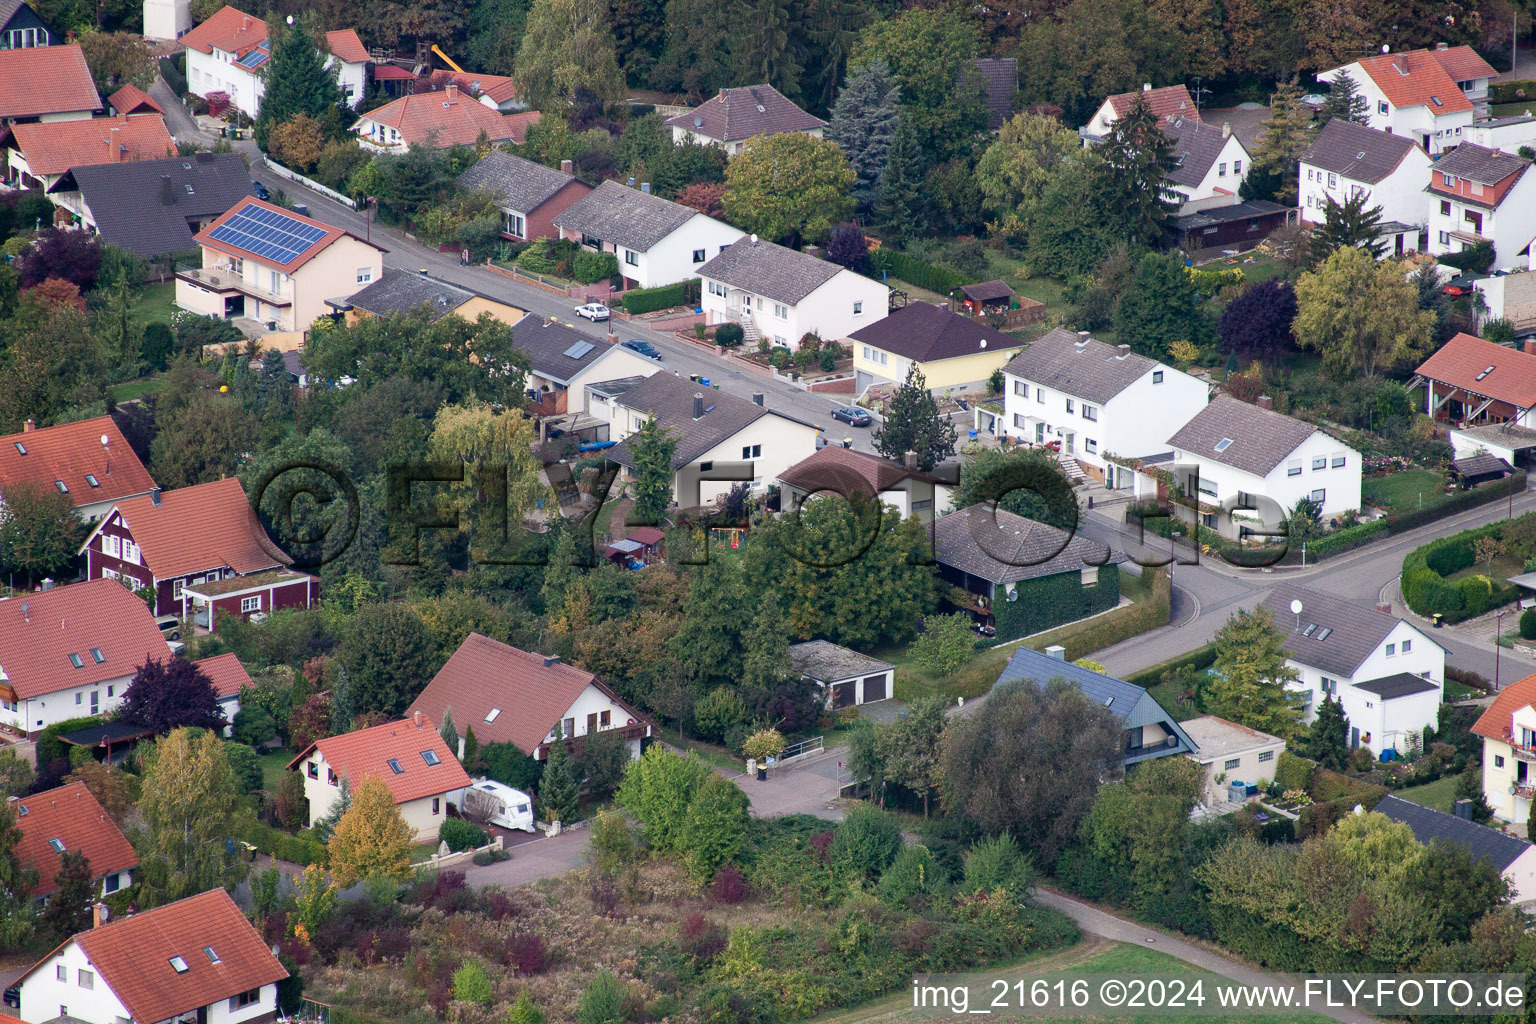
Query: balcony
(224, 281)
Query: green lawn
(1414, 488)
(272, 767)
(156, 303)
(973, 680)
(135, 389)
(1437, 794)
(1455, 690)
(1514, 109)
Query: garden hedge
(51, 748)
(1507, 92)
(1482, 494)
(282, 846)
(591, 267)
(1199, 658)
(1428, 593)
(1294, 772)
(1112, 627)
(915, 271)
(648, 300)
(461, 835)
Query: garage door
(874, 688)
(842, 695)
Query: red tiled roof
(68, 452)
(499, 88)
(130, 99)
(45, 80)
(1462, 63)
(1415, 78)
(1460, 360)
(40, 631)
(228, 29)
(226, 673)
(445, 121)
(71, 815)
(205, 237)
(518, 124)
(528, 694)
(193, 529)
(357, 755)
(391, 73)
(1169, 101)
(133, 956)
(56, 146)
(1497, 722)
(347, 46)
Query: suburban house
(507, 695)
(845, 471)
(1100, 401)
(1168, 103)
(228, 677)
(403, 291)
(562, 361)
(45, 83)
(69, 818)
(153, 207)
(999, 80)
(38, 154)
(1209, 164)
(1430, 96)
(1231, 753)
(171, 540)
(1020, 576)
(409, 756)
(499, 92)
(71, 651)
(1347, 159)
(261, 262)
(195, 959)
(1470, 381)
(89, 460)
(847, 677)
(656, 242)
(952, 352)
(245, 597)
(1385, 672)
(1483, 195)
(130, 99)
(1512, 857)
(21, 28)
(438, 120)
(721, 440)
(735, 116)
(227, 52)
(352, 60)
(783, 294)
(1149, 731)
(1508, 729)
(166, 20)
(1231, 453)
(529, 195)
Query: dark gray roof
(614, 388)
(618, 213)
(985, 290)
(1505, 435)
(1478, 465)
(827, 662)
(1353, 631)
(555, 350)
(670, 400)
(1499, 848)
(400, 291)
(1400, 684)
(8, 9)
(1225, 214)
(1015, 549)
(1357, 152)
(1194, 146)
(1480, 164)
(1079, 366)
(922, 331)
(768, 269)
(744, 113)
(519, 185)
(144, 205)
(1000, 81)
(1260, 438)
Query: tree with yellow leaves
(371, 840)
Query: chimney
(122, 120)
(566, 167)
(757, 398)
(416, 719)
(99, 914)
(245, 22)
(645, 187)
(1226, 129)
(698, 405)
(909, 459)
(29, 426)
(1442, 46)
(1401, 63)
(1056, 651)
(1146, 86)
(551, 660)
(115, 146)
(1530, 350)
(167, 193)
(154, 496)
(452, 92)
(1264, 402)
(1121, 351)
(1462, 809)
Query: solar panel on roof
(579, 349)
(268, 234)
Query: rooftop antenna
(1296, 610)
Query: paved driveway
(808, 788)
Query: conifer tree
(1348, 223)
(558, 789)
(1137, 159)
(901, 209)
(1328, 741)
(1277, 153)
(449, 731)
(1346, 102)
(1248, 684)
(912, 423)
(864, 122)
(652, 448)
(297, 82)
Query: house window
(922, 506)
(1266, 755)
(1320, 495)
(1040, 395)
(1381, 106)
(1330, 685)
(1018, 420)
(698, 255)
(277, 280)
(1157, 376)
(86, 979)
(1232, 762)
(75, 660)
(314, 770)
(1237, 167)
(1445, 207)
(1391, 650)
(130, 551)
(1221, 169)
(1321, 462)
(179, 964)
(436, 804)
(112, 690)
(604, 719)
(1090, 446)
(61, 972)
(781, 311)
(1090, 413)
(1090, 575)
(1293, 468)
(1498, 760)
(430, 756)
(250, 604)
(111, 546)
(113, 883)
(62, 486)
(512, 224)
(1338, 462)
(1333, 179)
(1407, 646)
(364, 275)
(705, 467)
(244, 999)
(394, 766)
(751, 451)
(570, 727)
(331, 778)
(90, 478)
(858, 309)
(1069, 405)
(717, 289)
(1021, 389)
(631, 257)
(176, 588)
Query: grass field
(975, 679)
(135, 389)
(1415, 488)
(156, 303)
(272, 767)
(1437, 794)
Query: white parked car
(499, 804)
(593, 311)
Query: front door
(1067, 444)
(1039, 433)
(746, 306)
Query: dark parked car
(643, 348)
(261, 191)
(852, 415)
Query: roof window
(492, 716)
(430, 756)
(97, 656)
(394, 766)
(1322, 634)
(1223, 444)
(90, 478)
(57, 844)
(1311, 628)
(75, 660)
(21, 449)
(21, 810)
(180, 964)
(213, 957)
(62, 486)
(1485, 373)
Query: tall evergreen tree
(16, 882)
(1277, 153)
(297, 82)
(1327, 741)
(762, 46)
(912, 423)
(864, 122)
(900, 210)
(1432, 297)
(1161, 307)
(825, 32)
(559, 788)
(449, 731)
(652, 448)
(1248, 684)
(1346, 102)
(69, 908)
(1137, 159)
(1348, 223)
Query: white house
(735, 116)
(1508, 729)
(352, 62)
(844, 471)
(1232, 453)
(1512, 857)
(1431, 96)
(1231, 753)
(1387, 674)
(166, 19)
(782, 295)
(195, 959)
(656, 241)
(1098, 401)
(422, 774)
(1483, 195)
(1209, 164)
(1168, 102)
(1346, 159)
(847, 677)
(1507, 133)
(227, 52)
(563, 360)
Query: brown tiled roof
(627, 216)
(1416, 78)
(228, 29)
(746, 112)
(193, 529)
(367, 752)
(1169, 101)
(130, 99)
(133, 956)
(1083, 367)
(434, 117)
(71, 815)
(1028, 549)
(1497, 170)
(226, 673)
(783, 274)
(1496, 723)
(68, 452)
(1510, 373)
(517, 184)
(923, 332)
(1261, 438)
(45, 80)
(205, 236)
(670, 400)
(39, 632)
(346, 46)
(499, 88)
(1356, 151)
(54, 147)
(845, 470)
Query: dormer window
(1448, 180)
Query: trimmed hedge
(1482, 494)
(915, 271)
(1428, 593)
(1112, 627)
(1294, 772)
(51, 748)
(1199, 658)
(460, 835)
(173, 76)
(282, 846)
(591, 267)
(1451, 557)
(1347, 539)
(648, 300)
(1504, 92)
(1049, 601)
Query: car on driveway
(260, 191)
(852, 415)
(643, 348)
(593, 311)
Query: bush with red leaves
(730, 886)
(700, 937)
(438, 995)
(914, 936)
(603, 891)
(820, 845)
(527, 953)
(498, 905)
(379, 944)
(69, 253)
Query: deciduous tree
(1015, 171)
(371, 840)
(652, 448)
(297, 142)
(716, 826)
(658, 789)
(1248, 684)
(1362, 316)
(17, 909)
(1258, 322)
(117, 59)
(169, 693)
(788, 186)
(69, 906)
(387, 654)
(39, 531)
(190, 805)
(567, 48)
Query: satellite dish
(105, 441)
(1385, 48)
(1296, 607)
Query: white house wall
(783, 443)
(45, 997)
(1341, 484)
(619, 362)
(1219, 186)
(671, 259)
(1436, 133)
(1400, 194)
(1511, 226)
(220, 72)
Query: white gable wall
(671, 259)
(1221, 182)
(1400, 194)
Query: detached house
(195, 959)
(89, 460)
(1346, 159)
(227, 53)
(529, 195)
(838, 470)
(404, 291)
(1209, 164)
(21, 28)
(45, 83)
(1512, 857)
(1168, 103)
(56, 821)
(1469, 381)
(1508, 731)
(1430, 96)
(71, 651)
(736, 116)
(656, 242)
(438, 120)
(38, 155)
(422, 774)
(782, 294)
(1387, 674)
(562, 361)
(507, 695)
(953, 352)
(1483, 195)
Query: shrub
(1451, 556)
(1293, 772)
(729, 886)
(718, 711)
(488, 856)
(612, 844)
(998, 863)
(591, 267)
(1528, 624)
(866, 842)
(527, 953)
(648, 300)
(914, 879)
(827, 360)
(1476, 594)
(701, 938)
(602, 1002)
(472, 985)
(460, 835)
(729, 335)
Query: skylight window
(180, 964)
(21, 449)
(1322, 634)
(1485, 373)
(97, 656)
(1223, 444)
(430, 756)
(62, 486)
(75, 660)
(90, 478)
(1311, 628)
(213, 957)
(57, 844)
(21, 810)
(394, 766)
(492, 716)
